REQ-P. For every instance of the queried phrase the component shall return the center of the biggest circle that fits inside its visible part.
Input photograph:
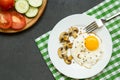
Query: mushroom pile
(64, 39)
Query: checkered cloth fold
(112, 70)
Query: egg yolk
(91, 43)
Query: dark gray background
(20, 58)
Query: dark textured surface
(20, 58)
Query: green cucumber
(22, 6)
(32, 12)
(35, 3)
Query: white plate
(75, 70)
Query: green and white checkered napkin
(103, 10)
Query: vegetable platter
(19, 15)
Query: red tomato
(5, 20)
(18, 21)
(6, 4)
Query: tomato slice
(18, 21)
(5, 20)
(6, 4)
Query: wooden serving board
(29, 21)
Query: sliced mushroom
(74, 35)
(70, 45)
(67, 61)
(70, 31)
(64, 37)
(67, 45)
(61, 52)
(70, 57)
(65, 56)
(73, 31)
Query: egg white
(82, 55)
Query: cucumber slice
(32, 12)
(35, 3)
(21, 6)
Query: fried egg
(86, 50)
